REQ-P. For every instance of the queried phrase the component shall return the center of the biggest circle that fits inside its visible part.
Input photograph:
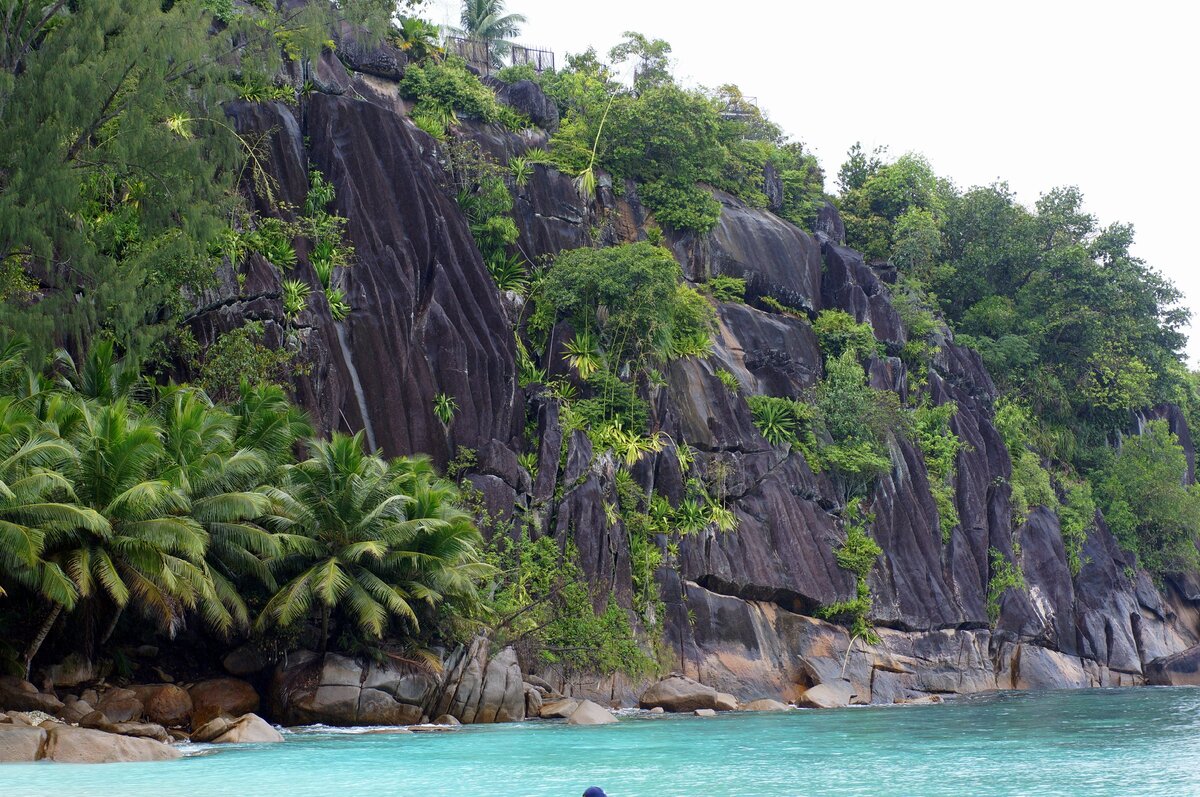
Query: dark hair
(594, 791)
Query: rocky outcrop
(248, 729)
(479, 687)
(739, 606)
(679, 693)
(588, 713)
(69, 745)
(21, 743)
(165, 704)
(17, 694)
(336, 690)
(218, 696)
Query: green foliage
(118, 160)
(484, 198)
(1030, 486)
(418, 39)
(1004, 575)
(541, 596)
(727, 289)
(442, 87)
(445, 407)
(120, 496)
(339, 308)
(295, 297)
(859, 420)
(629, 298)
(241, 355)
(1146, 503)
(837, 332)
(1076, 516)
(517, 72)
(939, 448)
(729, 381)
(784, 420)
(858, 555)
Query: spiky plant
(509, 272)
(522, 170)
(582, 354)
(339, 308)
(775, 419)
(295, 297)
(445, 407)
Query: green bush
(837, 332)
(629, 297)
(1146, 503)
(438, 87)
(727, 289)
(859, 420)
(517, 72)
(1004, 575)
(858, 554)
(939, 447)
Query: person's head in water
(594, 791)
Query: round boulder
(588, 713)
(165, 704)
(681, 694)
(218, 696)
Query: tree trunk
(324, 629)
(43, 632)
(112, 626)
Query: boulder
(588, 713)
(95, 719)
(120, 705)
(211, 729)
(72, 671)
(834, 694)
(681, 694)
(705, 712)
(140, 730)
(920, 700)
(527, 97)
(75, 710)
(70, 745)
(165, 704)
(558, 709)
(17, 694)
(446, 719)
(218, 696)
(1179, 669)
(249, 729)
(533, 701)
(478, 687)
(19, 743)
(764, 704)
(726, 702)
(658, 710)
(339, 691)
(246, 660)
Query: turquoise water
(1082, 744)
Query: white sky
(1099, 94)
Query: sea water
(1082, 744)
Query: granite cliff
(428, 319)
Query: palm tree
(378, 542)
(151, 553)
(419, 39)
(486, 21)
(227, 487)
(36, 502)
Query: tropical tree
(486, 21)
(151, 551)
(419, 39)
(382, 540)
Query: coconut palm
(486, 21)
(379, 543)
(418, 39)
(228, 491)
(151, 554)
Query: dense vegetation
(120, 494)
(1079, 334)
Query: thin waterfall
(357, 385)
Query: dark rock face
(358, 52)
(527, 97)
(774, 257)
(427, 319)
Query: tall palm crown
(382, 542)
(485, 20)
